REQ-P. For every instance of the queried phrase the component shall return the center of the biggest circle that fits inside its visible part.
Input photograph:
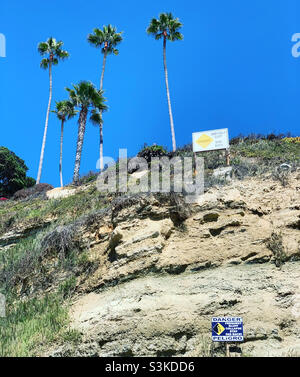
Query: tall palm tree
(54, 53)
(85, 97)
(64, 111)
(107, 39)
(166, 27)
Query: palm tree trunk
(80, 137)
(101, 146)
(103, 69)
(61, 153)
(168, 96)
(101, 125)
(46, 126)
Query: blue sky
(234, 69)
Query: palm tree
(96, 120)
(53, 50)
(107, 39)
(166, 27)
(85, 97)
(64, 111)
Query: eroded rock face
(164, 268)
(160, 281)
(170, 315)
(9, 238)
(231, 225)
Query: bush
(89, 177)
(33, 192)
(12, 173)
(60, 241)
(294, 140)
(254, 138)
(275, 244)
(17, 261)
(275, 150)
(154, 150)
(29, 254)
(282, 175)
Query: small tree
(12, 173)
(148, 152)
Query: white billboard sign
(210, 140)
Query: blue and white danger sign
(227, 329)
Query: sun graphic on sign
(218, 328)
(204, 140)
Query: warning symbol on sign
(218, 328)
(210, 140)
(204, 140)
(227, 329)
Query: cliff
(143, 274)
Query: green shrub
(12, 173)
(148, 152)
(89, 177)
(19, 261)
(262, 149)
(32, 192)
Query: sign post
(227, 155)
(229, 330)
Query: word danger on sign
(227, 329)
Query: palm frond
(85, 95)
(175, 36)
(96, 118)
(52, 49)
(97, 38)
(106, 39)
(43, 48)
(51, 42)
(44, 63)
(64, 110)
(165, 26)
(62, 54)
(153, 26)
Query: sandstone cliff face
(165, 268)
(170, 315)
(159, 269)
